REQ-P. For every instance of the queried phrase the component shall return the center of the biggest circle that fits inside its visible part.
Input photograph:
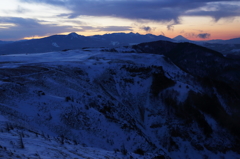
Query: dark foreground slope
(128, 102)
(196, 60)
(219, 74)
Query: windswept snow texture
(55, 44)
(17, 142)
(96, 104)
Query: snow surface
(38, 145)
(114, 43)
(86, 57)
(55, 44)
(91, 81)
(2, 118)
(235, 50)
(73, 35)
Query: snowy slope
(17, 142)
(122, 102)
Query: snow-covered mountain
(196, 60)
(229, 47)
(5, 42)
(228, 50)
(229, 41)
(75, 41)
(152, 100)
(181, 38)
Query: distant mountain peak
(180, 38)
(132, 33)
(73, 35)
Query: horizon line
(41, 37)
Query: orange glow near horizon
(223, 29)
(34, 37)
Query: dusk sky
(194, 19)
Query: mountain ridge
(61, 42)
(173, 100)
